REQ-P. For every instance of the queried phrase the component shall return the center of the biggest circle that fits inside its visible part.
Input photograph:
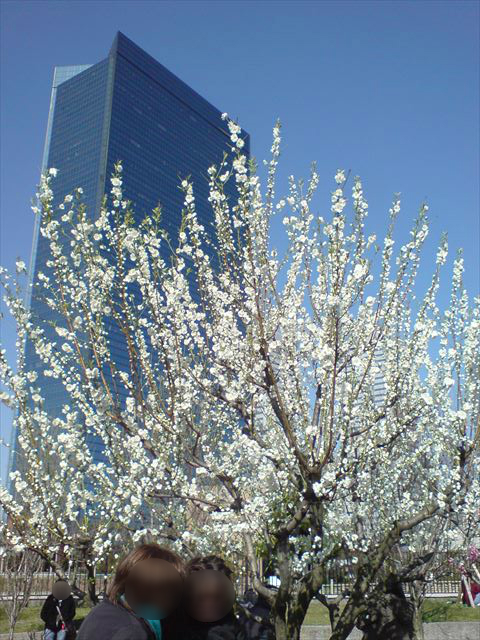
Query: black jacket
(228, 628)
(49, 613)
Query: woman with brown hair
(142, 599)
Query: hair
(140, 553)
(209, 562)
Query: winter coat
(228, 628)
(49, 612)
(109, 621)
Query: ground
(435, 610)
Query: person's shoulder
(108, 608)
(229, 629)
(49, 601)
(224, 632)
(110, 621)
(105, 615)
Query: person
(58, 611)
(142, 600)
(474, 589)
(209, 600)
(255, 615)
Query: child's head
(150, 579)
(209, 587)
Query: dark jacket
(228, 628)
(109, 621)
(49, 613)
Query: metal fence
(43, 582)
(437, 589)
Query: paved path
(433, 631)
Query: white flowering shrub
(245, 418)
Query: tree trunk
(417, 598)
(91, 584)
(418, 625)
(280, 629)
(289, 614)
(294, 634)
(342, 630)
(388, 616)
(345, 623)
(286, 631)
(11, 631)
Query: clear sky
(389, 90)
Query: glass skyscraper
(128, 107)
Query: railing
(437, 589)
(441, 588)
(43, 582)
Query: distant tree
(16, 583)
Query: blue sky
(389, 90)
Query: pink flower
(473, 553)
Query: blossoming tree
(63, 506)
(246, 417)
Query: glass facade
(127, 107)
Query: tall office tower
(127, 107)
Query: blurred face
(209, 595)
(61, 590)
(153, 588)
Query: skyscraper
(127, 107)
